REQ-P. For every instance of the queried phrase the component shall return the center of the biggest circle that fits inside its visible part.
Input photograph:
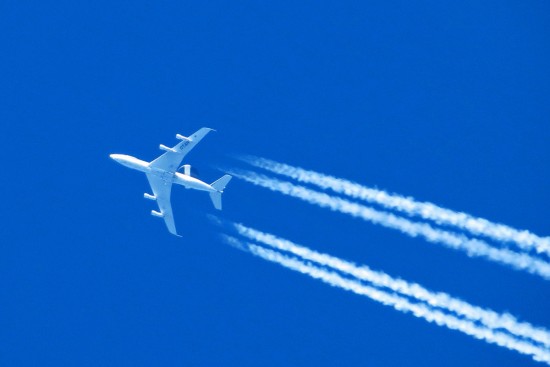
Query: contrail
(489, 318)
(399, 303)
(477, 226)
(472, 247)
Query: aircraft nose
(115, 157)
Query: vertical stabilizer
(219, 186)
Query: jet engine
(154, 213)
(149, 196)
(167, 149)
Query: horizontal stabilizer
(216, 198)
(219, 186)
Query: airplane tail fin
(219, 185)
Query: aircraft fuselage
(186, 181)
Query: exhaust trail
(473, 247)
(398, 303)
(478, 226)
(487, 317)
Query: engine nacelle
(149, 196)
(187, 169)
(181, 137)
(154, 213)
(164, 147)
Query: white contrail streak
(472, 247)
(489, 318)
(399, 303)
(477, 226)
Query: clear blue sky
(444, 101)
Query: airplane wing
(161, 190)
(171, 160)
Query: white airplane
(163, 172)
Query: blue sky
(444, 101)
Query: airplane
(163, 172)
